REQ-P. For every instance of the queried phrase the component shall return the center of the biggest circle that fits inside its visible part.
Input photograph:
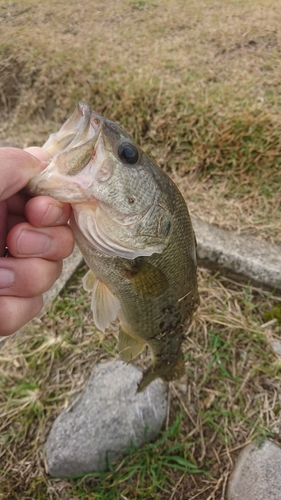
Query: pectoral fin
(104, 304)
(129, 347)
(88, 281)
(147, 280)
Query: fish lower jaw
(60, 189)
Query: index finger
(17, 167)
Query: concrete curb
(240, 256)
(69, 267)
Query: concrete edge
(241, 256)
(69, 267)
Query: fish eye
(128, 153)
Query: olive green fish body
(134, 231)
(157, 294)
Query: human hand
(35, 232)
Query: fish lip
(82, 123)
(76, 187)
(52, 179)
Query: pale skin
(37, 236)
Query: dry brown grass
(231, 397)
(196, 83)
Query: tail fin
(165, 370)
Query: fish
(134, 231)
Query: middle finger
(44, 211)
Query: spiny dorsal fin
(129, 347)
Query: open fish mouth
(71, 149)
(81, 126)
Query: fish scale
(133, 228)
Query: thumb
(40, 153)
(17, 167)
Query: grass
(145, 473)
(197, 84)
(230, 397)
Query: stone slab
(239, 256)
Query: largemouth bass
(133, 228)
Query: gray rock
(276, 347)
(257, 473)
(107, 420)
(238, 255)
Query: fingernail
(31, 243)
(53, 215)
(7, 278)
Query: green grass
(274, 313)
(145, 473)
(229, 399)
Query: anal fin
(129, 347)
